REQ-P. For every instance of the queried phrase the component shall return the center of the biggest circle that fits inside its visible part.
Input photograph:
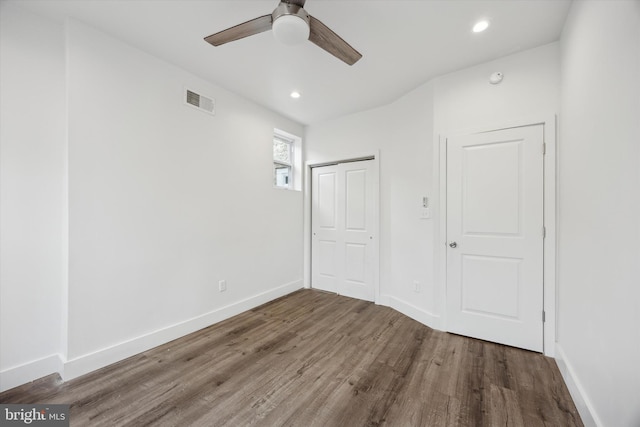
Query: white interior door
(343, 232)
(495, 236)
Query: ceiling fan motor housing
(290, 24)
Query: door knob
(453, 245)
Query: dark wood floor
(316, 359)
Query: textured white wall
(32, 194)
(599, 229)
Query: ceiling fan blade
(241, 31)
(323, 37)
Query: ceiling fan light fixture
(291, 30)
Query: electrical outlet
(222, 285)
(416, 286)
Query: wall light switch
(425, 213)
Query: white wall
(32, 195)
(401, 132)
(406, 133)
(465, 101)
(599, 239)
(163, 202)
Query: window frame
(290, 165)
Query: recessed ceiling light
(480, 26)
(295, 94)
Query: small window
(283, 155)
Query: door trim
(375, 167)
(549, 122)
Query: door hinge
(544, 148)
(544, 232)
(544, 316)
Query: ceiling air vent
(201, 102)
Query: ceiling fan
(291, 24)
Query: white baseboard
(583, 404)
(84, 364)
(106, 356)
(426, 318)
(18, 375)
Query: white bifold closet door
(342, 221)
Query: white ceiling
(404, 44)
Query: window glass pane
(281, 175)
(281, 151)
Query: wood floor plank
(502, 407)
(316, 359)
